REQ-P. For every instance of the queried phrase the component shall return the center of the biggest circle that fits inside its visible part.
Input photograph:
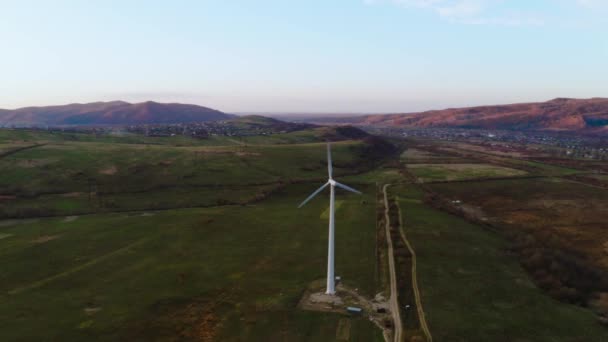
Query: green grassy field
(123, 137)
(533, 167)
(454, 172)
(78, 177)
(118, 137)
(473, 290)
(415, 156)
(379, 175)
(141, 276)
(134, 238)
(155, 253)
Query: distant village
(198, 130)
(556, 144)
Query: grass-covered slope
(46, 174)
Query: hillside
(574, 115)
(262, 123)
(110, 113)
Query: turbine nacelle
(331, 182)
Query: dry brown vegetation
(557, 229)
(195, 320)
(556, 226)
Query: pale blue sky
(303, 55)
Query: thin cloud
(471, 12)
(592, 4)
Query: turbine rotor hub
(332, 182)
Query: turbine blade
(330, 169)
(346, 187)
(313, 195)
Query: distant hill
(258, 122)
(324, 133)
(110, 113)
(338, 133)
(561, 114)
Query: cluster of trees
(374, 150)
(344, 133)
(563, 273)
(381, 266)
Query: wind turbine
(331, 288)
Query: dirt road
(393, 300)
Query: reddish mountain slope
(110, 113)
(589, 115)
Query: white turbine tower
(331, 289)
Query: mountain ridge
(559, 114)
(110, 113)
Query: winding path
(421, 317)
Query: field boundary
(17, 150)
(488, 179)
(47, 280)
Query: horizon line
(331, 113)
